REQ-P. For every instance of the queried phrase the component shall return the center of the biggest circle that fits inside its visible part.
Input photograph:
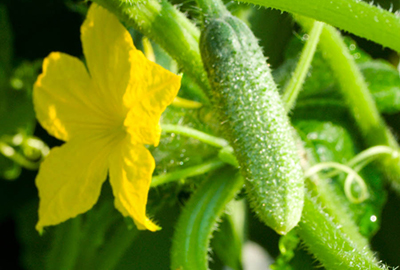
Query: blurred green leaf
(384, 83)
(332, 142)
(321, 86)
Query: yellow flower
(105, 115)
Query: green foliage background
(35, 28)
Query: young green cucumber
(253, 120)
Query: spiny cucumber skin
(254, 121)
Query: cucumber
(253, 119)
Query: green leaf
(384, 83)
(332, 142)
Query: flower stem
(355, 16)
(188, 172)
(292, 90)
(193, 133)
(164, 24)
(185, 103)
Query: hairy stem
(292, 90)
(325, 239)
(196, 134)
(355, 16)
(188, 172)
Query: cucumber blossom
(254, 120)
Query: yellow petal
(107, 46)
(151, 90)
(131, 167)
(65, 99)
(70, 179)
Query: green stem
(355, 16)
(193, 133)
(325, 239)
(185, 103)
(10, 153)
(163, 23)
(292, 90)
(198, 220)
(355, 92)
(188, 172)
